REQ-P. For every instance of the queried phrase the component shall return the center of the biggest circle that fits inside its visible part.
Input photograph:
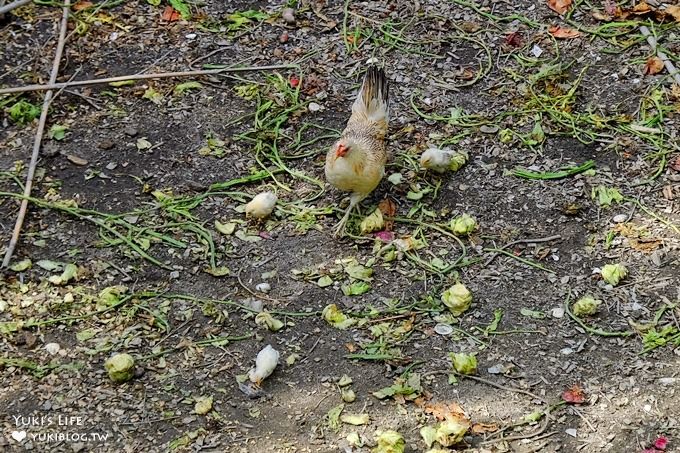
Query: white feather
(262, 205)
(266, 361)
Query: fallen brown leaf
(170, 14)
(514, 39)
(563, 33)
(673, 11)
(675, 165)
(442, 411)
(81, 5)
(482, 428)
(559, 6)
(653, 66)
(388, 209)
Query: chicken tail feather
(372, 101)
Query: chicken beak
(341, 150)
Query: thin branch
(522, 241)
(11, 6)
(38, 137)
(666, 61)
(160, 75)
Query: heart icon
(18, 435)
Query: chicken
(356, 162)
(442, 160)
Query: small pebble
(314, 107)
(130, 131)
(620, 218)
(284, 37)
(52, 348)
(191, 36)
(443, 329)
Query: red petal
(661, 443)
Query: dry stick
(483, 381)
(668, 63)
(38, 138)
(522, 241)
(11, 6)
(160, 75)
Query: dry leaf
(388, 209)
(673, 11)
(170, 14)
(76, 160)
(559, 6)
(482, 428)
(514, 39)
(441, 411)
(653, 66)
(81, 5)
(675, 165)
(563, 33)
(668, 192)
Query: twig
(484, 381)
(522, 241)
(11, 6)
(38, 137)
(538, 432)
(666, 61)
(159, 75)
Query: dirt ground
(136, 240)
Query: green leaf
(57, 132)
(153, 95)
(497, 316)
(122, 83)
(356, 288)
(154, 2)
(606, 196)
(23, 112)
(325, 281)
(182, 87)
(333, 416)
(225, 228)
(182, 8)
(532, 313)
(21, 265)
(86, 334)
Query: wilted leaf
(373, 222)
(70, 271)
(143, 143)
(464, 363)
(355, 419)
(335, 317)
(559, 6)
(532, 313)
(21, 265)
(654, 65)
(356, 288)
(389, 442)
(203, 405)
(122, 83)
(333, 416)
(266, 319)
(514, 39)
(170, 14)
(225, 228)
(563, 33)
(324, 281)
(153, 96)
(182, 87)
